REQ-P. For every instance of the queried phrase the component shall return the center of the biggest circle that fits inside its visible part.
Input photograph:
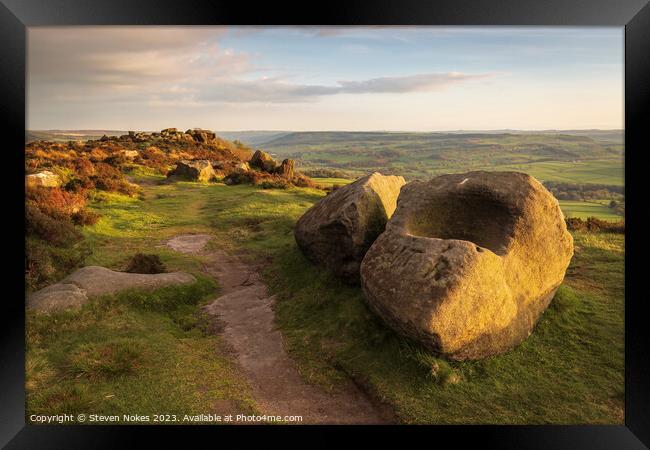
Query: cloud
(172, 65)
(77, 62)
(411, 83)
(277, 90)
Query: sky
(325, 78)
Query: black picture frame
(634, 15)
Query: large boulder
(338, 230)
(263, 161)
(287, 169)
(91, 281)
(192, 170)
(468, 262)
(44, 178)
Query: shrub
(57, 230)
(593, 224)
(98, 154)
(169, 298)
(85, 217)
(145, 263)
(108, 178)
(267, 180)
(39, 267)
(279, 183)
(301, 180)
(105, 360)
(236, 178)
(117, 160)
(52, 246)
(55, 201)
(46, 263)
(435, 368)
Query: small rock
(44, 178)
(131, 154)
(192, 170)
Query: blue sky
(325, 78)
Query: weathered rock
(241, 167)
(338, 230)
(131, 154)
(91, 281)
(468, 262)
(44, 178)
(57, 296)
(141, 137)
(287, 169)
(192, 170)
(200, 135)
(263, 161)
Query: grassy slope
(595, 208)
(577, 159)
(113, 357)
(173, 363)
(569, 371)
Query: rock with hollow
(91, 281)
(338, 230)
(468, 262)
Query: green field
(609, 171)
(583, 210)
(144, 353)
(577, 158)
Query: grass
(329, 182)
(585, 209)
(569, 371)
(150, 352)
(133, 353)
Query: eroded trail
(244, 312)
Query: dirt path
(244, 310)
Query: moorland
(158, 351)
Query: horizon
(364, 79)
(253, 130)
